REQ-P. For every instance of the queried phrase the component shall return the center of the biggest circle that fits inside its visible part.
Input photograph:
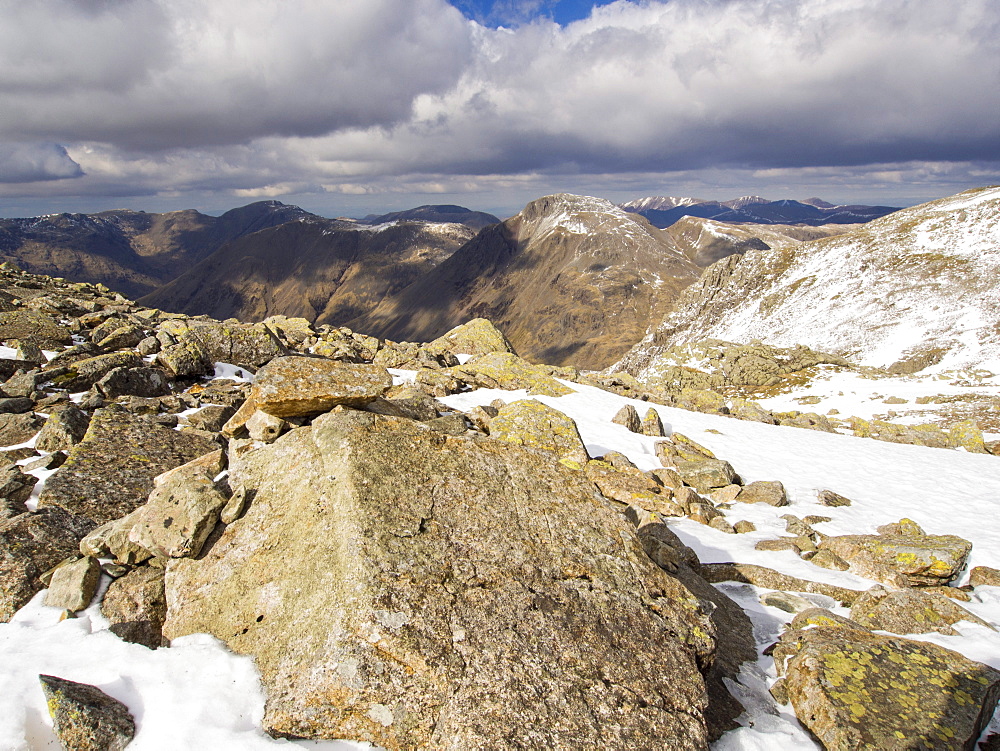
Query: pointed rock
(85, 718)
(628, 418)
(652, 425)
(476, 337)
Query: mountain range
(919, 288)
(663, 211)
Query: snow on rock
(919, 288)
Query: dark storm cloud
(33, 162)
(260, 98)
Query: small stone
(722, 525)
(902, 527)
(727, 494)
(73, 585)
(742, 527)
(64, 429)
(211, 417)
(910, 611)
(829, 498)
(85, 718)
(814, 519)
(706, 475)
(781, 544)
(235, 506)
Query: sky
(348, 108)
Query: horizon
(347, 110)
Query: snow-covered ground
(198, 695)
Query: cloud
(333, 97)
(33, 162)
(152, 74)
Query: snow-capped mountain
(663, 212)
(917, 289)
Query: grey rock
(16, 405)
(15, 485)
(770, 492)
(530, 423)
(211, 417)
(73, 585)
(83, 374)
(403, 587)
(110, 540)
(786, 601)
(761, 576)
(66, 427)
(179, 517)
(910, 611)
(85, 718)
(265, 427)
(136, 606)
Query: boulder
(15, 429)
(902, 560)
(179, 516)
(855, 689)
(761, 576)
(15, 485)
(110, 540)
(771, 492)
(110, 472)
(83, 374)
(503, 370)
(707, 475)
(136, 606)
(476, 337)
(140, 381)
(631, 487)
(910, 611)
(530, 423)
(628, 418)
(85, 718)
(301, 386)
(415, 590)
(66, 427)
(73, 585)
(30, 545)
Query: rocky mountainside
(133, 252)
(568, 279)
(324, 270)
(412, 562)
(706, 241)
(446, 214)
(916, 289)
(663, 211)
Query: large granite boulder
(110, 472)
(415, 590)
(902, 560)
(299, 386)
(248, 345)
(855, 689)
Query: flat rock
(34, 327)
(854, 689)
(110, 472)
(85, 718)
(178, 518)
(300, 386)
(761, 576)
(530, 423)
(984, 576)
(415, 590)
(910, 611)
(134, 381)
(895, 560)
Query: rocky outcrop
(902, 560)
(410, 589)
(533, 424)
